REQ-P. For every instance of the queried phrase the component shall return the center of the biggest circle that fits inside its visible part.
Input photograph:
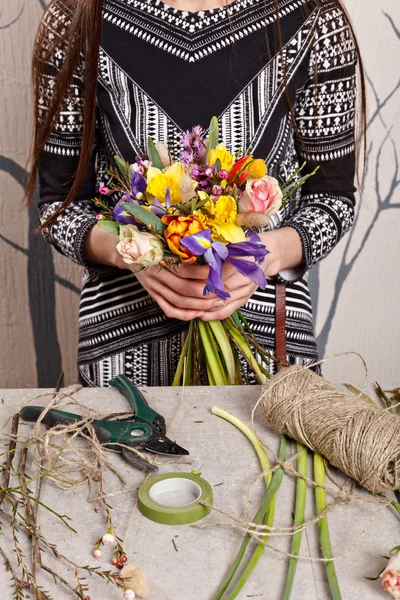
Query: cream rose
(261, 196)
(140, 248)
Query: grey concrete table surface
(194, 569)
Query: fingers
(228, 271)
(181, 287)
(184, 300)
(238, 298)
(175, 313)
(180, 301)
(186, 271)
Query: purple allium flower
(187, 157)
(193, 144)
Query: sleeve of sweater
(325, 118)
(60, 157)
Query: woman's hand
(286, 252)
(179, 293)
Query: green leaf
(213, 136)
(110, 226)
(153, 154)
(145, 216)
(234, 192)
(123, 168)
(361, 395)
(218, 165)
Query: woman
(281, 77)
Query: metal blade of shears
(163, 445)
(137, 461)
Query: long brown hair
(81, 38)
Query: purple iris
(138, 183)
(159, 209)
(215, 253)
(120, 215)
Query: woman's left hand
(285, 252)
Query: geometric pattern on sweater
(138, 98)
(192, 37)
(243, 122)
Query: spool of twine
(361, 440)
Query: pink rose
(140, 248)
(261, 196)
(391, 576)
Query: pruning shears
(144, 431)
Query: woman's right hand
(178, 292)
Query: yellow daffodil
(227, 159)
(219, 218)
(174, 178)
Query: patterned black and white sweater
(161, 71)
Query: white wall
(357, 288)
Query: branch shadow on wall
(384, 203)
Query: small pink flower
(129, 595)
(261, 196)
(104, 190)
(223, 174)
(217, 190)
(97, 552)
(210, 171)
(99, 217)
(108, 538)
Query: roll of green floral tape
(171, 483)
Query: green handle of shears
(143, 412)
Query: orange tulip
(178, 227)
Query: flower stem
(188, 368)
(214, 364)
(301, 494)
(325, 542)
(181, 363)
(222, 338)
(243, 347)
(263, 508)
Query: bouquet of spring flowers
(199, 210)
